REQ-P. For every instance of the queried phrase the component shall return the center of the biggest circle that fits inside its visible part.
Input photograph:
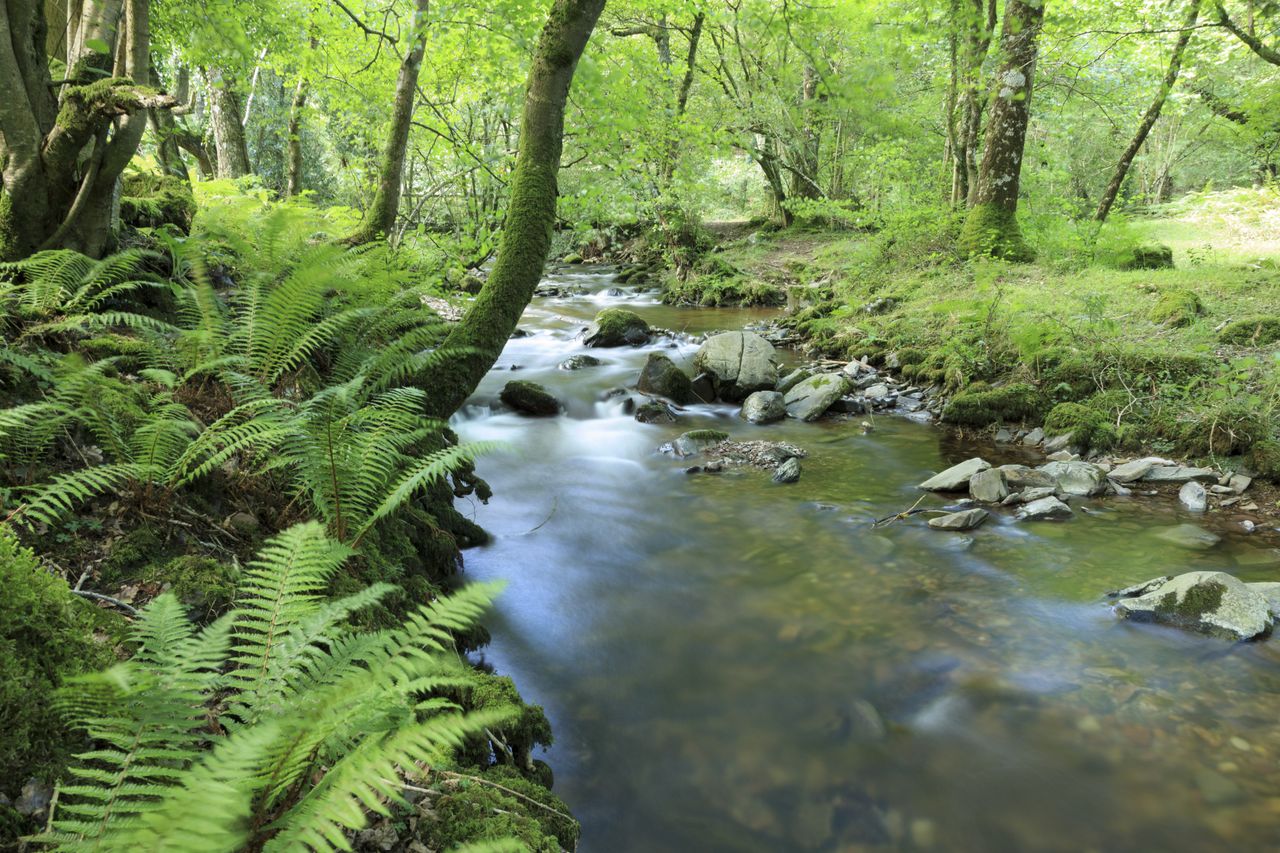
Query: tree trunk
(381, 216)
(1153, 113)
(991, 227)
(228, 133)
(62, 150)
(804, 180)
(293, 166)
(476, 342)
(976, 20)
(671, 154)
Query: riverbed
(734, 664)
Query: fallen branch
(97, 596)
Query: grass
(1159, 355)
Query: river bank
(730, 663)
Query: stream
(732, 664)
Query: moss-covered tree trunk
(293, 165)
(381, 216)
(63, 148)
(228, 133)
(991, 227)
(975, 22)
(1152, 114)
(477, 341)
(804, 178)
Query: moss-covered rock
(1251, 332)
(529, 398)
(1176, 307)
(1150, 256)
(617, 327)
(663, 377)
(1088, 427)
(46, 635)
(1016, 402)
(205, 585)
(151, 199)
(471, 811)
(1264, 460)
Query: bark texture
(228, 132)
(477, 341)
(293, 164)
(1152, 114)
(975, 23)
(991, 227)
(386, 199)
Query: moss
(708, 435)
(1015, 402)
(131, 554)
(9, 250)
(46, 634)
(1150, 365)
(615, 327)
(530, 398)
(663, 377)
(992, 231)
(1198, 600)
(150, 199)
(1150, 256)
(1176, 307)
(1252, 332)
(1264, 460)
(202, 583)
(526, 729)
(911, 355)
(1087, 426)
(473, 812)
(1222, 430)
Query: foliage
(272, 728)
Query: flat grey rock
(810, 399)
(1213, 603)
(956, 478)
(1179, 474)
(1190, 536)
(965, 520)
(1077, 478)
(989, 486)
(1045, 509)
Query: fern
(309, 730)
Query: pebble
(1240, 744)
(1089, 725)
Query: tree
(1152, 114)
(228, 128)
(974, 22)
(381, 215)
(1246, 35)
(475, 343)
(64, 145)
(991, 227)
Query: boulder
(1179, 474)
(1031, 495)
(965, 520)
(877, 391)
(1213, 603)
(704, 388)
(578, 362)
(1033, 438)
(792, 379)
(739, 364)
(1193, 496)
(529, 398)
(1131, 472)
(695, 441)
(1270, 590)
(788, 471)
(662, 377)
(617, 327)
(764, 407)
(655, 412)
(1024, 477)
(810, 400)
(1077, 478)
(1045, 509)
(989, 486)
(956, 478)
(1150, 256)
(1190, 536)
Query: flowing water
(731, 664)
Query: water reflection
(734, 665)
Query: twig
(97, 596)
(484, 781)
(898, 516)
(555, 504)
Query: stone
(1150, 256)
(1213, 603)
(1239, 483)
(704, 388)
(956, 478)
(34, 798)
(965, 520)
(1045, 509)
(695, 441)
(1024, 477)
(810, 400)
(792, 379)
(1004, 436)
(655, 412)
(1179, 474)
(763, 407)
(1063, 456)
(850, 406)
(1217, 789)
(529, 398)
(738, 363)
(662, 377)
(1026, 496)
(1033, 438)
(578, 362)
(788, 471)
(1193, 496)
(989, 486)
(244, 522)
(618, 327)
(1131, 472)
(1189, 536)
(1058, 443)
(876, 392)
(1077, 478)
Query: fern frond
(48, 502)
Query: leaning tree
(65, 142)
